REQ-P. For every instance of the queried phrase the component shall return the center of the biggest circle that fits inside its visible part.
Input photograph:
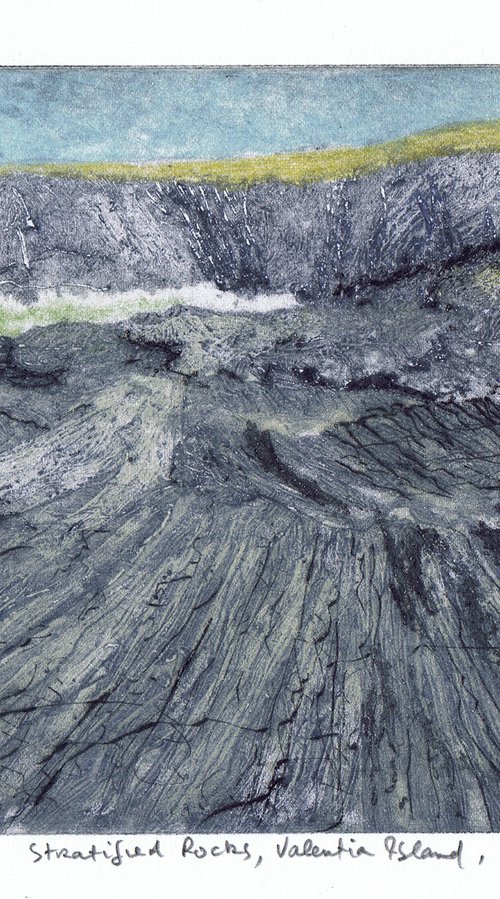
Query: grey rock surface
(316, 241)
(239, 594)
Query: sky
(151, 114)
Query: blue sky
(127, 114)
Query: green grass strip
(295, 168)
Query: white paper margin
(249, 32)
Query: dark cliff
(316, 241)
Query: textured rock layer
(250, 563)
(317, 241)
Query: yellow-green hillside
(311, 165)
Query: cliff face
(315, 241)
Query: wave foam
(106, 306)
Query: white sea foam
(206, 296)
(86, 304)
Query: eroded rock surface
(250, 568)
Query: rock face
(316, 241)
(250, 564)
